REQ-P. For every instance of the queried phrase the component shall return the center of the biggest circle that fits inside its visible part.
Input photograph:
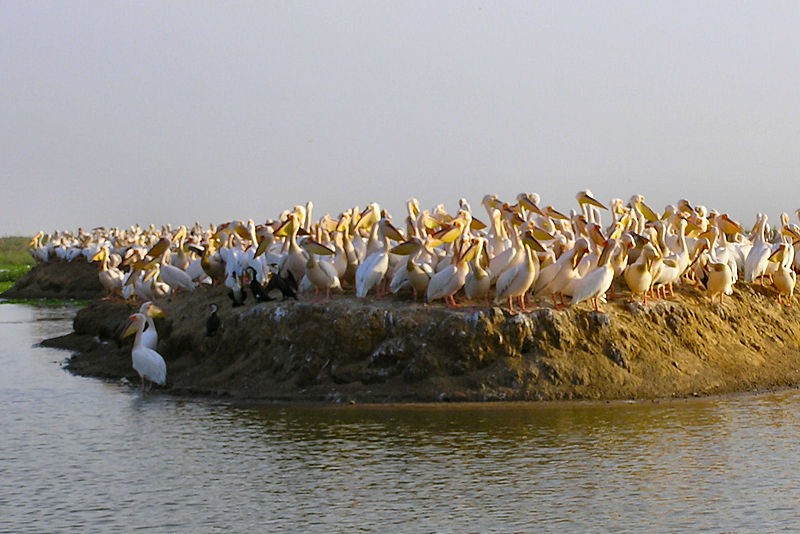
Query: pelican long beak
(100, 256)
(477, 224)
(391, 231)
(554, 214)
(159, 248)
(405, 248)
(585, 198)
(777, 256)
(791, 231)
(526, 202)
(241, 231)
(315, 247)
(149, 274)
(132, 327)
(154, 311)
(578, 256)
(469, 254)
(285, 228)
(180, 234)
(541, 234)
(648, 213)
(531, 241)
(729, 226)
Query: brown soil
(395, 350)
(58, 280)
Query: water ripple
(82, 454)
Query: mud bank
(58, 280)
(398, 351)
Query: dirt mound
(392, 351)
(58, 280)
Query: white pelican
(294, 259)
(147, 362)
(595, 284)
(374, 267)
(479, 280)
(755, 264)
(110, 277)
(720, 280)
(416, 274)
(638, 276)
(150, 335)
(517, 280)
(176, 278)
(589, 206)
(566, 275)
(784, 278)
(322, 274)
(449, 280)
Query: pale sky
(114, 112)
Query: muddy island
(395, 350)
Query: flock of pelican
(524, 254)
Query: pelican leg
(511, 309)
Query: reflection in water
(81, 453)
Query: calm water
(80, 454)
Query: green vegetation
(14, 260)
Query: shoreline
(384, 352)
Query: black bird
(287, 286)
(213, 322)
(258, 291)
(237, 292)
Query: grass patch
(15, 260)
(14, 251)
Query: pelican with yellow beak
(596, 282)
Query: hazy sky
(116, 112)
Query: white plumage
(147, 362)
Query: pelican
(416, 273)
(720, 280)
(322, 274)
(294, 260)
(150, 335)
(479, 280)
(588, 205)
(595, 284)
(446, 283)
(567, 274)
(110, 277)
(176, 278)
(147, 362)
(516, 281)
(784, 278)
(374, 267)
(755, 264)
(638, 276)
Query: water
(79, 454)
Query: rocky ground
(392, 350)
